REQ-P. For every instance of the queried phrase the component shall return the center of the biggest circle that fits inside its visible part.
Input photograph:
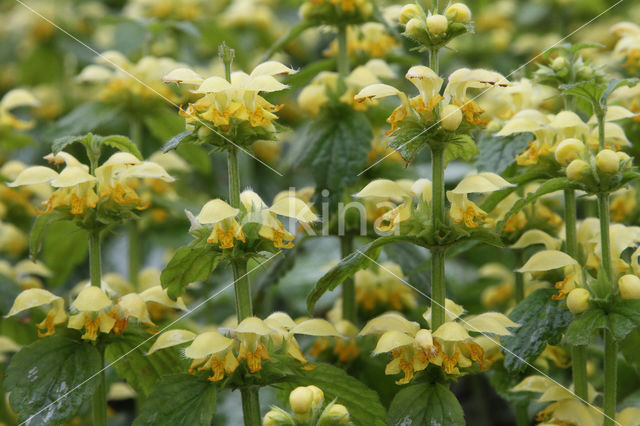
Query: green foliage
(50, 379)
(40, 226)
(173, 143)
(542, 321)
(596, 92)
(359, 259)
(127, 354)
(337, 143)
(425, 404)
(84, 118)
(462, 146)
(93, 144)
(499, 152)
(363, 403)
(622, 317)
(64, 248)
(180, 399)
(189, 264)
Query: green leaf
(595, 92)
(183, 399)
(583, 327)
(128, 356)
(175, 141)
(189, 264)
(9, 290)
(629, 348)
(39, 227)
(338, 142)
(497, 153)
(61, 143)
(196, 156)
(463, 146)
(121, 143)
(64, 248)
(624, 317)
(286, 38)
(51, 378)
(348, 266)
(425, 404)
(413, 260)
(542, 321)
(363, 403)
(164, 123)
(85, 118)
(551, 185)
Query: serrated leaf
(51, 378)
(179, 399)
(64, 247)
(542, 321)
(463, 146)
(413, 260)
(175, 141)
(128, 353)
(348, 266)
(121, 143)
(189, 264)
(61, 143)
(425, 404)
(39, 227)
(624, 317)
(497, 153)
(629, 348)
(362, 403)
(582, 328)
(338, 143)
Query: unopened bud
(276, 418)
(424, 339)
(629, 286)
(578, 300)
(437, 24)
(458, 12)
(301, 399)
(624, 158)
(607, 161)
(559, 62)
(415, 28)
(575, 169)
(450, 117)
(568, 150)
(337, 414)
(305, 10)
(318, 396)
(407, 12)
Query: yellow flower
(381, 190)
(535, 122)
(226, 229)
(464, 79)
(16, 98)
(92, 303)
(36, 297)
(464, 210)
(250, 332)
(211, 350)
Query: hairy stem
(99, 407)
(348, 286)
(135, 252)
(250, 406)
(343, 52)
(605, 239)
(438, 288)
(95, 273)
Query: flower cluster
(308, 407)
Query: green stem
(434, 60)
(242, 286)
(610, 377)
(250, 405)
(348, 286)
(578, 353)
(94, 258)
(600, 117)
(605, 239)
(135, 252)
(522, 414)
(438, 288)
(343, 51)
(99, 407)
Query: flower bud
(203, 132)
(437, 24)
(407, 12)
(558, 63)
(568, 150)
(415, 28)
(623, 156)
(458, 12)
(450, 117)
(366, 9)
(301, 399)
(305, 10)
(318, 396)
(629, 286)
(336, 414)
(575, 168)
(607, 161)
(276, 417)
(424, 339)
(578, 300)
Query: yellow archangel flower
(464, 79)
(466, 211)
(385, 287)
(222, 100)
(629, 44)
(36, 297)
(382, 190)
(532, 121)
(16, 98)
(226, 229)
(93, 315)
